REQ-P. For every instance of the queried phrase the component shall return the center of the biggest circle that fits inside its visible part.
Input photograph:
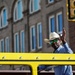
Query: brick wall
(72, 35)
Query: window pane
(33, 38)
(22, 42)
(4, 17)
(15, 13)
(2, 45)
(52, 24)
(16, 41)
(31, 5)
(60, 23)
(40, 35)
(19, 9)
(7, 44)
(36, 5)
(1, 22)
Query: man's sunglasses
(53, 41)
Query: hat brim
(46, 40)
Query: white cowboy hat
(52, 36)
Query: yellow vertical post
(34, 69)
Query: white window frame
(30, 7)
(22, 9)
(16, 8)
(39, 7)
(3, 18)
(6, 16)
(0, 21)
(52, 16)
(15, 42)
(21, 40)
(2, 40)
(38, 35)
(31, 37)
(57, 21)
(50, 1)
(7, 47)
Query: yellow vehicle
(36, 59)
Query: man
(55, 41)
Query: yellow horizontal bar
(36, 59)
(37, 63)
(36, 56)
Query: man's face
(55, 43)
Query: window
(39, 35)
(36, 37)
(16, 42)
(51, 24)
(2, 45)
(7, 44)
(3, 18)
(59, 22)
(34, 5)
(56, 24)
(1, 21)
(33, 38)
(22, 41)
(50, 1)
(18, 10)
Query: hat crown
(53, 35)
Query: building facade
(25, 23)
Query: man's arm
(63, 38)
(67, 48)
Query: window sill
(14, 22)
(33, 13)
(35, 51)
(49, 4)
(4, 27)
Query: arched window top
(3, 18)
(34, 5)
(18, 9)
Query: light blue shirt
(64, 49)
(63, 69)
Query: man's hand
(63, 37)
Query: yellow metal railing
(36, 59)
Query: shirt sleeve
(67, 48)
(50, 68)
(41, 67)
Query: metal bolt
(36, 57)
(53, 58)
(20, 57)
(3, 57)
(69, 58)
